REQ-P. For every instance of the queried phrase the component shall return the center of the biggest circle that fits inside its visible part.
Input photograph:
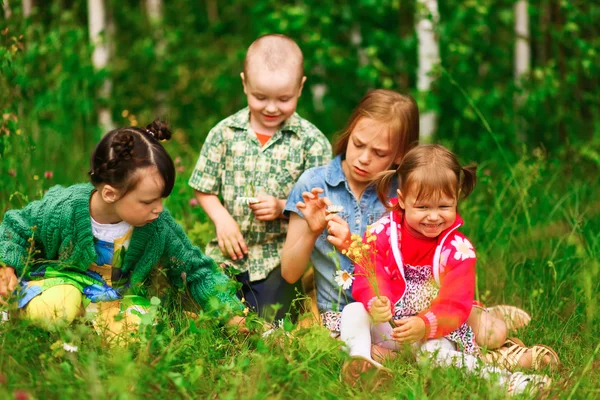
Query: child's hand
(239, 323)
(229, 236)
(339, 232)
(381, 310)
(8, 281)
(268, 208)
(409, 330)
(313, 209)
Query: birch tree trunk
(212, 11)
(522, 43)
(154, 8)
(27, 7)
(155, 17)
(100, 56)
(429, 56)
(522, 61)
(7, 10)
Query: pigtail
(382, 182)
(159, 130)
(122, 147)
(113, 165)
(122, 152)
(468, 181)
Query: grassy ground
(535, 224)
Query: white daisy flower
(343, 279)
(70, 348)
(464, 249)
(248, 200)
(334, 209)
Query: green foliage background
(534, 217)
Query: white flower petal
(70, 348)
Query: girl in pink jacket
(415, 282)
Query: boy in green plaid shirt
(252, 159)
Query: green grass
(536, 229)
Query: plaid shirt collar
(241, 120)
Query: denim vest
(358, 214)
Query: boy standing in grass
(252, 160)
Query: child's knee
(491, 332)
(61, 302)
(356, 308)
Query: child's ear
(400, 199)
(109, 194)
(302, 81)
(244, 82)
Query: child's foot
(514, 354)
(521, 383)
(365, 372)
(514, 317)
(381, 354)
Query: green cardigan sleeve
(16, 230)
(210, 287)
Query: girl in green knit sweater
(89, 247)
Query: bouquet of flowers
(363, 255)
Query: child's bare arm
(299, 244)
(229, 236)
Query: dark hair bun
(122, 145)
(159, 129)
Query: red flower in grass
(48, 174)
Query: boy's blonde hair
(275, 51)
(398, 111)
(427, 171)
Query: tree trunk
(155, 17)
(155, 11)
(429, 57)
(7, 10)
(212, 11)
(522, 43)
(100, 56)
(27, 7)
(522, 62)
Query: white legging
(359, 333)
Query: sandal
(358, 368)
(509, 354)
(520, 383)
(539, 352)
(514, 317)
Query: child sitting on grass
(93, 245)
(415, 283)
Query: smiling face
(369, 152)
(430, 216)
(142, 204)
(272, 96)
